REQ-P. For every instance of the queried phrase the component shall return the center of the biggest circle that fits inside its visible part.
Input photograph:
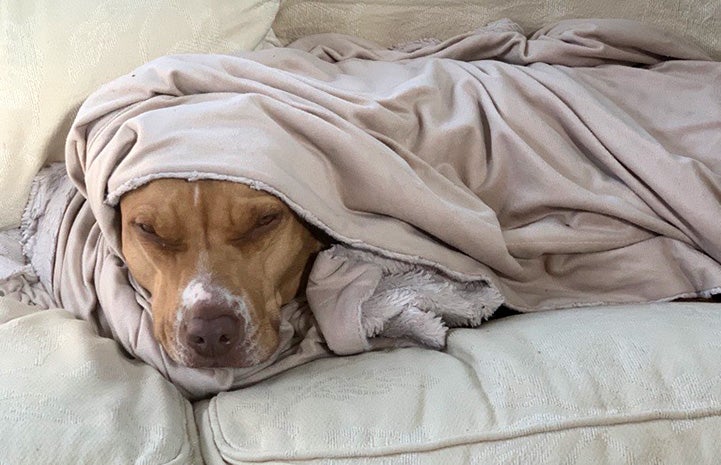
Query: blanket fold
(578, 166)
(363, 301)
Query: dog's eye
(146, 228)
(267, 219)
(149, 235)
(264, 224)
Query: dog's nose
(213, 337)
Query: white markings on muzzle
(195, 293)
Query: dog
(219, 259)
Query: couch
(632, 384)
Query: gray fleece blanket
(578, 166)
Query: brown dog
(219, 260)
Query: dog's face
(219, 260)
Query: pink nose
(215, 336)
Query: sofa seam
(524, 435)
(478, 439)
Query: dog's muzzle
(213, 329)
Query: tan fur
(212, 234)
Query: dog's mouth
(239, 358)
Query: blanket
(578, 166)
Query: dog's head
(219, 260)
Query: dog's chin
(240, 357)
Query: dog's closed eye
(146, 228)
(148, 232)
(264, 223)
(268, 219)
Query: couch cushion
(633, 384)
(394, 21)
(68, 396)
(55, 53)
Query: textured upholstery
(395, 21)
(632, 384)
(68, 396)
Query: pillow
(68, 396)
(396, 21)
(56, 53)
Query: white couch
(633, 384)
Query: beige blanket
(579, 166)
